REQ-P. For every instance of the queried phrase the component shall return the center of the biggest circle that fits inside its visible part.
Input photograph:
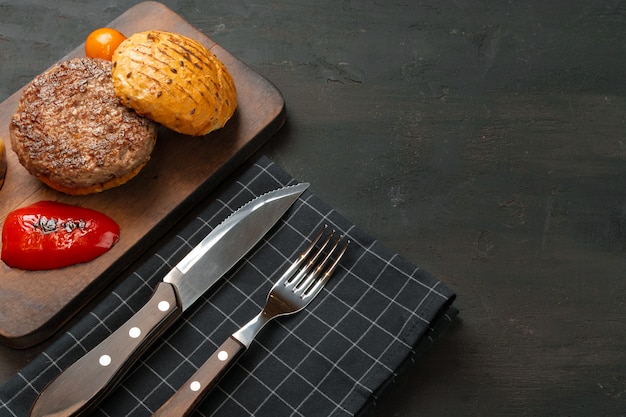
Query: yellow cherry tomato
(101, 43)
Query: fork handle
(185, 400)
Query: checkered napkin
(331, 359)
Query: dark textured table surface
(484, 141)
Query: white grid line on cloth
(163, 380)
(376, 361)
(292, 334)
(227, 317)
(392, 300)
(123, 302)
(266, 170)
(374, 323)
(234, 400)
(53, 363)
(185, 359)
(355, 343)
(166, 262)
(113, 312)
(246, 187)
(426, 297)
(326, 332)
(249, 373)
(225, 204)
(155, 388)
(370, 287)
(5, 406)
(28, 384)
(140, 403)
(389, 346)
(388, 263)
(361, 315)
(292, 371)
(249, 298)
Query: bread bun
(175, 81)
(71, 131)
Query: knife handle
(185, 400)
(85, 383)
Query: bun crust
(175, 81)
(71, 131)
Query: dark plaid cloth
(329, 360)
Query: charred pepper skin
(50, 235)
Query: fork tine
(301, 278)
(315, 285)
(288, 274)
(287, 296)
(306, 282)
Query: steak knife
(80, 387)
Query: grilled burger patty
(71, 131)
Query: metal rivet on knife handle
(295, 289)
(88, 388)
(91, 378)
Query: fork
(295, 289)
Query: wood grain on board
(182, 170)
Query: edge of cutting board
(182, 170)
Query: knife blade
(80, 387)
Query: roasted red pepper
(48, 235)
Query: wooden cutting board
(182, 170)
